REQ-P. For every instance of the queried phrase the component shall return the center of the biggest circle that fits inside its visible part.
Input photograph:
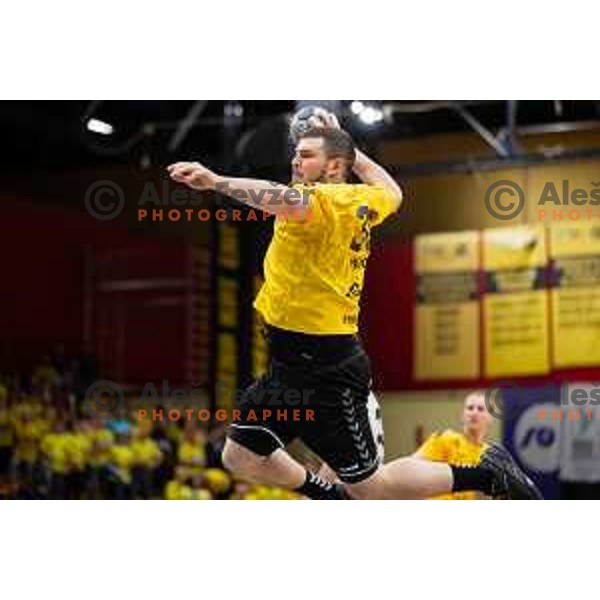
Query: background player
(461, 448)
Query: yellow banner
(515, 304)
(447, 311)
(228, 273)
(575, 253)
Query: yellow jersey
(314, 268)
(217, 481)
(102, 441)
(28, 435)
(175, 490)
(54, 446)
(264, 492)
(455, 449)
(201, 494)
(6, 429)
(174, 432)
(122, 459)
(79, 446)
(192, 455)
(146, 453)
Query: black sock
(477, 479)
(316, 488)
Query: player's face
(476, 417)
(309, 163)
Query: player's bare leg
(415, 478)
(405, 478)
(278, 469)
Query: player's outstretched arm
(369, 172)
(274, 198)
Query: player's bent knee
(238, 459)
(371, 488)
(232, 457)
(360, 491)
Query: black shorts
(323, 402)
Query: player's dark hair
(336, 143)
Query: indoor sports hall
(128, 331)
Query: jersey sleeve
(435, 448)
(380, 201)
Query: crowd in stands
(51, 449)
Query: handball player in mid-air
(314, 271)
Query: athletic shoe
(509, 480)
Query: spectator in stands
(102, 440)
(218, 482)
(178, 488)
(79, 448)
(192, 453)
(147, 458)
(28, 432)
(120, 464)
(200, 489)
(186, 486)
(6, 435)
(45, 377)
(55, 454)
(166, 469)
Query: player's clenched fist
(194, 175)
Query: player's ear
(336, 168)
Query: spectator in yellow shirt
(178, 488)
(54, 451)
(120, 465)
(79, 447)
(28, 432)
(102, 440)
(45, 376)
(186, 487)
(146, 460)
(6, 435)
(200, 488)
(461, 448)
(192, 449)
(218, 482)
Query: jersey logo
(360, 241)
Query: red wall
(41, 269)
(42, 299)
(141, 310)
